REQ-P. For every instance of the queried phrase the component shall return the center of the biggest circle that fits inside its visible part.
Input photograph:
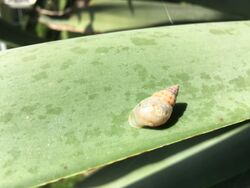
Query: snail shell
(154, 110)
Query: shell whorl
(168, 95)
(154, 110)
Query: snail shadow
(177, 113)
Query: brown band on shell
(174, 89)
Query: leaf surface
(202, 161)
(64, 105)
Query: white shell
(155, 110)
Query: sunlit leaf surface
(64, 105)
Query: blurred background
(25, 22)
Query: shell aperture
(155, 110)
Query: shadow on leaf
(211, 157)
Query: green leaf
(106, 15)
(198, 162)
(239, 8)
(64, 105)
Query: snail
(155, 110)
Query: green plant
(64, 105)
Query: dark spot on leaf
(150, 84)
(205, 76)
(91, 131)
(59, 81)
(29, 109)
(247, 24)
(40, 76)
(239, 82)
(70, 137)
(140, 96)
(6, 117)
(8, 172)
(221, 31)
(124, 48)
(96, 63)
(29, 58)
(66, 88)
(162, 83)
(127, 95)
(248, 72)
(80, 81)
(221, 119)
(33, 170)
(41, 117)
(50, 109)
(119, 118)
(66, 64)
(217, 78)
(138, 41)
(102, 50)
(15, 153)
(183, 76)
(165, 67)
(78, 50)
(142, 71)
(107, 88)
(45, 66)
(92, 96)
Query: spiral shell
(154, 110)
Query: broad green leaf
(64, 105)
(107, 15)
(198, 162)
(239, 7)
